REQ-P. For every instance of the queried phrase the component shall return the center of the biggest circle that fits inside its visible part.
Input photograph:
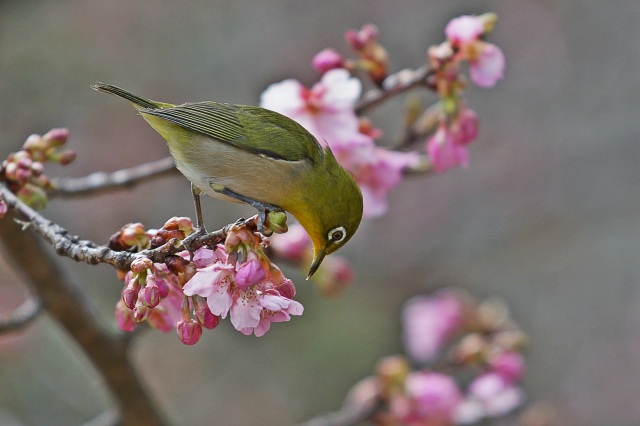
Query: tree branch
(64, 301)
(100, 182)
(393, 85)
(79, 250)
(22, 315)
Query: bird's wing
(254, 129)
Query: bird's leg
(263, 208)
(200, 229)
(196, 201)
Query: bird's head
(333, 215)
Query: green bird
(249, 154)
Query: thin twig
(395, 84)
(22, 315)
(100, 182)
(348, 415)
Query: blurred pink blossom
(325, 110)
(376, 170)
(293, 245)
(326, 60)
(464, 29)
(430, 399)
(445, 151)
(487, 65)
(508, 364)
(489, 395)
(428, 322)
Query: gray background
(546, 216)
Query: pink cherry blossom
(215, 283)
(490, 395)
(508, 364)
(487, 66)
(326, 60)
(274, 308)
(376, 170)
(293, 245)
(166, 315)
(431, 398)
(464, 29)
(245, 309)
(249, 274)
(428, 322)
(445, 151)
(3, 208)
(325, 110)
(124, 317)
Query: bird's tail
(136, 100)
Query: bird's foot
(191, 238)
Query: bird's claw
(188, 242)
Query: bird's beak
(317, 260)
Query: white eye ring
(337, 234)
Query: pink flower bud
(56, 137)
(509, 365)
(133, 234)
(130, 293)
(3, 208)
(467, 126)
(464, 29)
(203, 314)
(141, 312)
(488, 66)
(326, 60)
(141, 264)
(359, 39)
(163, 286)
(124, 317)
(11, 171)
(249, 274)
(189, 331)
(149, 295)
(34, 143)
(64, 158)
(434, 397)
(34, 196)
(286, 288)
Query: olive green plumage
(260, 155)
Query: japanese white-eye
(250, 154)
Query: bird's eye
(337, 234)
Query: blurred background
(546, 217)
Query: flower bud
(141, 264)
(33, 196)
(203, 314)
(249, 274)
(130, 293)
(56, 137)
(189, 331)
(141, 312)
(149, 295)
(34, 143)
(392, 372)
(124, 317)
(3, 208)
(509, 365)
(326, 60)
(277, 222)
